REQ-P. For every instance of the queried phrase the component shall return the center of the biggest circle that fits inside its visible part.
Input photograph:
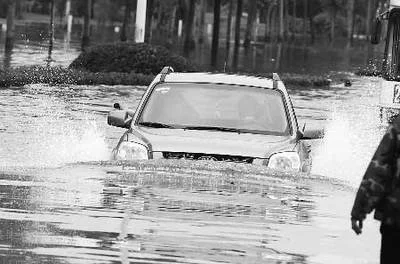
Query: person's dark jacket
(380, 187)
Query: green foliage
(128, 57)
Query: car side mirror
(376, 31)
(119, 118)
(309, 134)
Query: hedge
(130, 57)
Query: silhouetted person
(380, 190)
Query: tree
(188, 42)
(250, 23)
(215, 38)
(203, 9)
(10, 34)
(281, 20)
(237, 32)
(149, 20)
(51, 31)
(350, 21)
(127, 14)
(228, 27)
(86, 25)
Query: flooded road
(63, 201)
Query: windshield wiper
(225, 129)
(155, 125)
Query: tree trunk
(149, 21)
(51, 32)
(294, 20)
(203, 8)
(125, 22)
(368, 20)
(228, 26)
(86, 25)
(305, 18)
(215, 38)
(281, 20)
(10, 34)
(350, 22)
(268, 22)
(237, 33)
(286, 19)
(189, 43)
(250, 23)
(18, 10)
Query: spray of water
(352, 133)
(46, 131)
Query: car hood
(213, 142)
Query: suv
(214, 116)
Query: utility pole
(140, 27)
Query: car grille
(202, 156)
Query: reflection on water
(152, 212)
(32, 45)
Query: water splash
(352, 133)
(44, 131)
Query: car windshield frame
(287, 116)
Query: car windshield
(233, 108)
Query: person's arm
(378, 173)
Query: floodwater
(63, 201)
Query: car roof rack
(165, 71)
(275, 79)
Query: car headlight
(131, 151)
(285, 161)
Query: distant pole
(51, 32)
(140, 20)
(86, 25)
(10, 34)
(214, 46)
(67, 10)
